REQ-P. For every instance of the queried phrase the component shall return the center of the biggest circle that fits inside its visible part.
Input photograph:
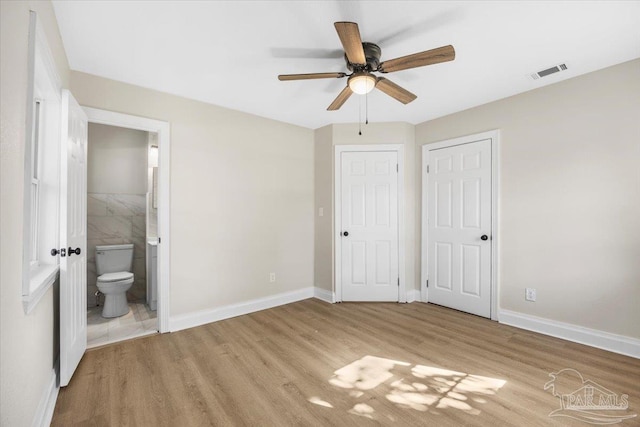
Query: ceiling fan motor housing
(372, 54)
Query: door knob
(345, 234)
(74, 251)
(62, 252)
(484, 237)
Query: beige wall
(323, 195)
(28, 349)
(241, 196)
(570, 202)
(326, 139)
(116, 160)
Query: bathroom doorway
(120, 213)
(126, 207)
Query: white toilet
(113, 264)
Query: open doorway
(121, 234)
(128, 208)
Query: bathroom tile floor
(140, 320)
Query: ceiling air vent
(544, 73)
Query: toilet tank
(114, 258)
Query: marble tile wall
(114, 219)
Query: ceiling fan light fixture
(362, 83)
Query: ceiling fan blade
(350, 37)
(428, 57)
(395, 91)
(284, 77)
(340, 99)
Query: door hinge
(159, 240)
(427, 168)
(397, 168)
(427, 283)
(398, 282)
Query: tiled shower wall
(114, 219)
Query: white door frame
(164, 232)
(337, 202)
(494, 136)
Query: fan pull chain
(366, 111)
(359, 115)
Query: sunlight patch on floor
(317, 401)
(363, 410)
(418, 387)
(366, 373)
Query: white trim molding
(191, 320)
(40, 211)
(413, 295)
(592, 337)
(494, 136)
(47, 404)
(337, 249)
(163, 130)
(47, 278)
(324, 295)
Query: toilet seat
(115, 277)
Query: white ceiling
(229, 53)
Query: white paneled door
(369, 222)
(459, 227)
(73, 229)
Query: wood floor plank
(350, 364)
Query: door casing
(337, 214)
(111, 118)
(494, 136)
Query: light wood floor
(317, 364)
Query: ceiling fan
(363, 59)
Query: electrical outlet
(272, 277)
(320, 211)
(530, 294)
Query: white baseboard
(47, 404)
(592, 337)
(191, 320)
(330, 297)
(324, 295)
(413, 295)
